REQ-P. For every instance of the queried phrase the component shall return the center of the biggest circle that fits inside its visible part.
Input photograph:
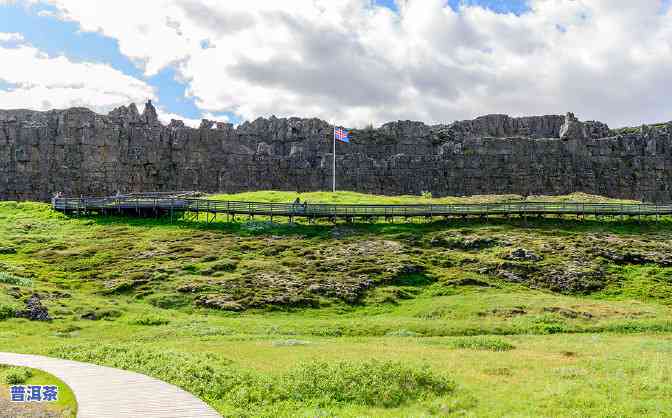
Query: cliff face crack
(78, 152)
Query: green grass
(380, 319)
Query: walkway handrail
(139, 203)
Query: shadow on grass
(282, 226)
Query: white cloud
(165, 117)
(356, 63)
(10, 37)
(40, 82)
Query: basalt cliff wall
(79, 152)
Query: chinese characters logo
(33, 393)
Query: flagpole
(334, 167)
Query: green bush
(481, 343)
(7, 278)
(150, 320)
(370, 383)
(17, 375)
(7, 311)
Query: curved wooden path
(161, 204)
(103, 392)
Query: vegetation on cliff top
(346, 197)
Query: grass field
(549, 317)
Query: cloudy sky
(352, 61)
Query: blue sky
(502, 6)
(564, 55)
(56, 37)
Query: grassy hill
(548, 317)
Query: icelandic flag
(341, 134)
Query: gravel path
(103, 392)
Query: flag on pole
(341, 135)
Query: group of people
(298, 205)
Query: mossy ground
(583, 328)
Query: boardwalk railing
(148, 204)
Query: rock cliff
(77, 151)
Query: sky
(353, 62)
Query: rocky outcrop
(572, 128)
(35, 311)
(77, 151)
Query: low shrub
(480, 343)
(370, 383)
(7, 311)
(550, 329)
(150, 320)
(7, 278)
(17, 375)
(7, 250)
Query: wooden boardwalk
(156, 205)
(103, 392)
